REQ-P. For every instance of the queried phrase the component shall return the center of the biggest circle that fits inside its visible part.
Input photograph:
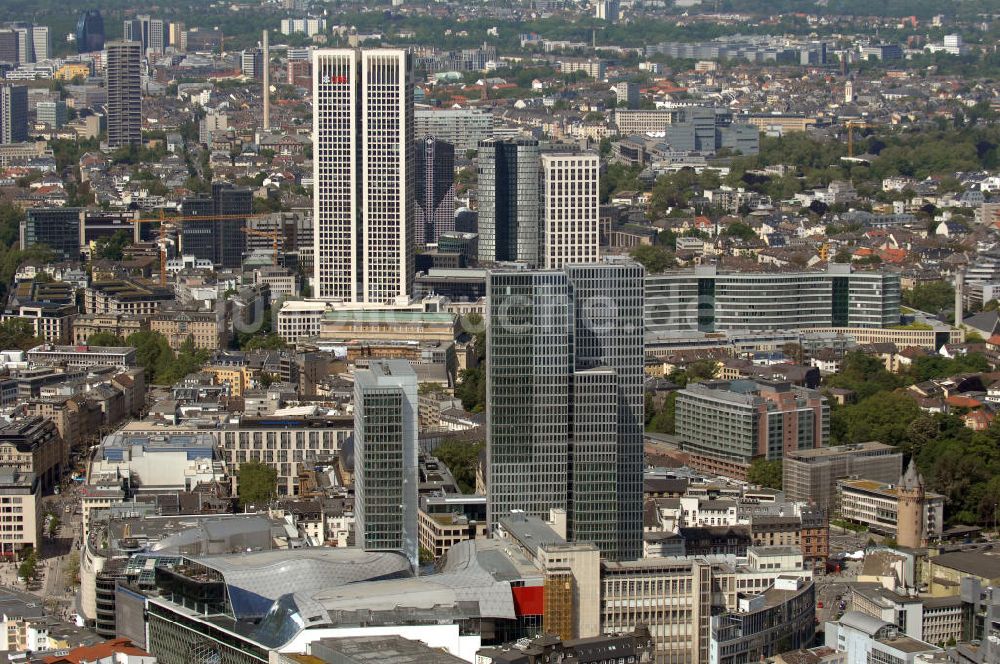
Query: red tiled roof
(99, 651)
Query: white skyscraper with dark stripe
(363, 168)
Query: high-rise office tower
(25, 43)
(252, 63)
(435, 191)
(8, 47)
(90, 31)
(146, 30)
(363, 174)
(52, 113)
(608, 337)
(508, 200)
(570, 204)
(13, 113)
(124, 85)
(564, 363)
(222, 240)
(56, 228)
(40, 40)
(177, 36)
(385, 458)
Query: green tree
(112, 248)
(17, 334)
(462, 459)
(740, 231)
(765, 473)
(931, 297)
(105, 339)
(652, 257)
(28, 568)
(662, 420)
(884, 417)
(257, 484)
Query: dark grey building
(707, 130)
(220, 240)
(124, 87)
(564, 359)
(56, 228)
(434, 207)
(13, 114)
(90, 31)
(9, 47)
(509, 205)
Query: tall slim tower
(267, 80)
(570, 209)
(911, 531)
(509, 200)
(13, 113)
(564, 403)
(124, 85)
(385, 458)
(434, 205)
(363, 170)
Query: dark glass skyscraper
(509, 200)
(434, 207)
(221, 241)
(90, 32)
(564, 402)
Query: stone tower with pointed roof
(910, 527)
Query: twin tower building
(564, 338)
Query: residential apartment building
(704, 299)
(811, 475)
(724, 425)
(385, 458)
(124, 87)
(363, 173)
(570, 230)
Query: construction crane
(851, 124)
(274, 235)
(165, 222)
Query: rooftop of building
(881, 489)
(981, 563)
(388, 649)
(83, 349)
(820, 454)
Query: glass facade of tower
(564, 400)
(509, 205)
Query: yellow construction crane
(165, 222)
(851, 124)
(274, 235)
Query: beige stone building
(20, 511)
(33, 445)
(206, 328)
(121, 325)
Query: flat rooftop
(825, 453)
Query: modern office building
(725, 425)
(33, 445)
(90, 31)
(779, 619)
(811, 475)
(148, 31)
(564, 400)
(20, 512)
(13, 113)
(40, 42)
(607, 10)
(704, 299)
(252, 63)
(124, 88)
(434, 204)
(877, 505)
(570, 229)
(385, 458)
(508, 194)
(464, 128)
(363, 174)
(52, 113)
(220, 240)
(56, 228)
(707, 130)
(643, 121)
